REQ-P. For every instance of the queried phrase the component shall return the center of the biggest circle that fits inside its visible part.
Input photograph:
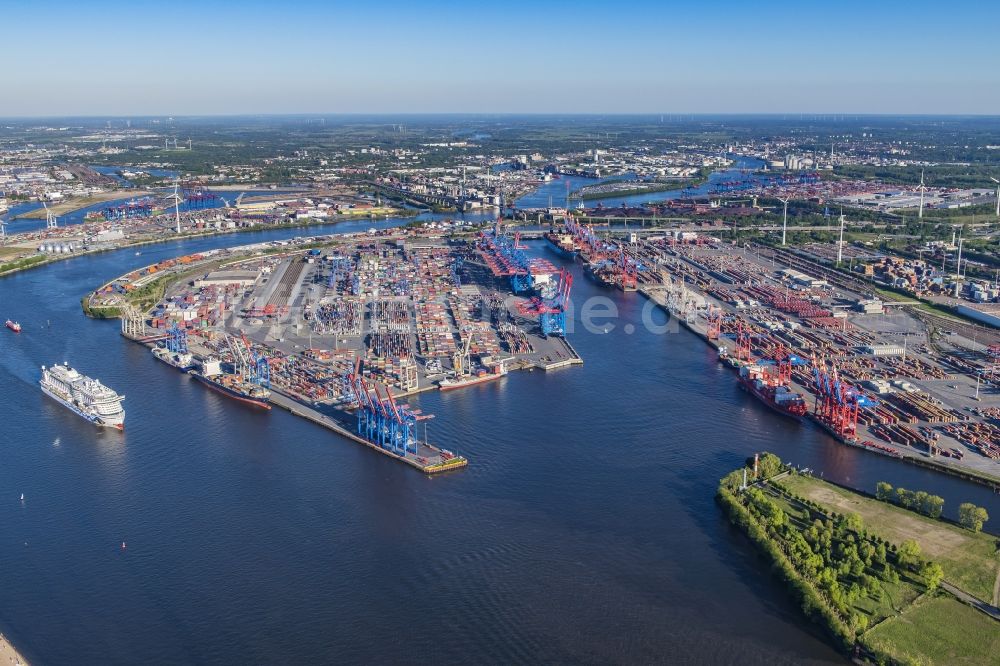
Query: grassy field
(970, 561)
(892, 296)
(895, 596)
(939, 630)
(21, 263)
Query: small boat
(22, 497)
(14, 326)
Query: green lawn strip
(970, 561)
(895, 595)
(937, 630)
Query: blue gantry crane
(551, 311)
(177, 340)
(380, 420)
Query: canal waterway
(583, 531)
(554, 191)
(16, 225)
(115, 171)
(550, 193)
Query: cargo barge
(452, 383)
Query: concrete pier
(427, 459)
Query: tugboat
(14, 326)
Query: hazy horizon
(667, 116)
(112, 58)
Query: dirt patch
(897, 526)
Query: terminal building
(801, 279)
(886, 349)
(243, 278)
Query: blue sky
(135, 58)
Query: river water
(554, 191)
(583, 530)
(17, 225)
(551, 193)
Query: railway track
(289, 279)
(981, 334)
(831, 275)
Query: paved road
(992, 611)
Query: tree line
(829, 561)
(970, 516)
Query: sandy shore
(8, 655)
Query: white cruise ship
(87, 397)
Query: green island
(889, 584)
(651, 188)
(636, 187)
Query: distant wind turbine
(177, 207)
(784, 219)
(922, 188)
(998, 194)
(51, 221)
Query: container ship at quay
(182, 361)
(210, 374)
(84, 396)
(778, 397)
(561, 244)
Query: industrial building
(242, 278)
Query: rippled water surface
(583, 531)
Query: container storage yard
(341, 331)
(878, 375)
(317, 318)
